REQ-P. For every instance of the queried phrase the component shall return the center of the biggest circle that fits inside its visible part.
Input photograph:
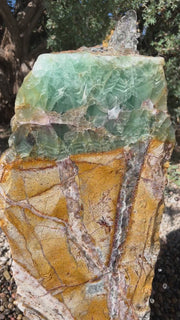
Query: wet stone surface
(165, 296)
(83, 179)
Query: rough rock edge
(26, 287)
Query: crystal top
(81, 101)
(124, 38)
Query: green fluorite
(89, 102)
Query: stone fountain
(81, 185)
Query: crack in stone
(141, 264)
(42, 250)
(43, 303)
(23, 204)
(97, 165)
(68, 171)
(119, 306)
(65, 286)
(26, 244)
(79, 235)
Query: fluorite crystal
(81, 102)
(82, 184)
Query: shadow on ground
(165, 297)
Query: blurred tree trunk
(17, 49)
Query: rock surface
(84, 102)
(81, 190)
(165, 295)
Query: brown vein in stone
(45, 191)
(79, 235)
(147, 236)
(33, 169)
(85, 244)
(141, 264)
(38, 240)
(68, 183)
(145, 243)
(84, 248)
(26, 246)
(25, 240)
(43, 253)
(43, 302)
(77, 232)
(65, 286)
(97, 165)
(104, 198)
(23, 204)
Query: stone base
(84, 232)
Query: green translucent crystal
(85, 102)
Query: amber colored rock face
(84, 232)
(81, 188)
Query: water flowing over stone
(124, 39)
(81, 186)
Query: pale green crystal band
(82, 102)
(59, 82)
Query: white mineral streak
(114, 112)
(113, 288)
(118, 304)
(78, 232)
(35, 301)
(45, 118)
(134, 164)
(155, 183)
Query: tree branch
(33, 22)
(30, 27)
(11, 24)
(29, 12)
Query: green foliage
(162, 20)
(74, 23)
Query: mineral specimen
(125, 36)
(81, 191)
